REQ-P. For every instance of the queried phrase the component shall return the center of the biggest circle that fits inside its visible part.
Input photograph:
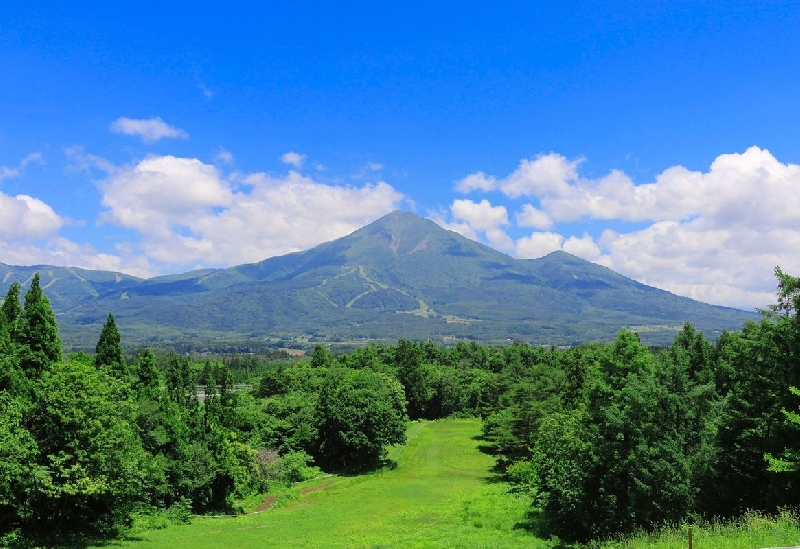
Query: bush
(295, 468)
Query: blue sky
(657, 138)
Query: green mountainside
(400, 277)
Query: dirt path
(310, 489)
(269, 501)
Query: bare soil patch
(316, 488)
(268, 502)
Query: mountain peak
(401, 276)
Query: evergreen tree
(11, 378)
(11, 312)
(39, 332)
(147, 379)
(320, 358)
(109, 351)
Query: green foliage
(147, 379)
(637, 445)
(12, 379)
(320, 358)
(603, 439)
(761, 362)
(359, 413)
(413, 375)
(38, 332)
(19, 470)
(563, 461)
(109, 350)
(11, 313)
(89, 448)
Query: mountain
(401, 276)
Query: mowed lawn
(441, 494)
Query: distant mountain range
(402, 276)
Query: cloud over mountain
(711, 235)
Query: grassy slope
(440, 495)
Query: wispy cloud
(207, 92)
(224, 156)
(9, 173)
(293, 159)
(150, 129)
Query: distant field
(441, 495)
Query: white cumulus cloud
(713, 235)
(189, 214)
(24, 217)
(150, 129)
(479, 215)
(29, 231)
(538, 244)
(471, 219)
(531, 216)
(162, 191)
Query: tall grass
(752, 531)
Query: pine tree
(11, 312)
(109, 351)
(38, 332)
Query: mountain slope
(401, 276)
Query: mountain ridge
(401, 276)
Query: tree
(39, 332)
(359, 414)
(762, 360)
(414, 377)
(320, 358)
(19, 470)
(11, 376)
(789, 460)
(81, 422)
(635, 452)
(147, 382)
(563, 460)
(788, 307)
(109, 351)
(11, 313)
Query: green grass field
(441, 494)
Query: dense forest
(605, 439)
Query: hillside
(400, 276)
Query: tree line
(88, 442)
(604, 438)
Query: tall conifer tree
(11, 312)
(109, 350)
(39, 332)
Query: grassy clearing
(440, 495)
